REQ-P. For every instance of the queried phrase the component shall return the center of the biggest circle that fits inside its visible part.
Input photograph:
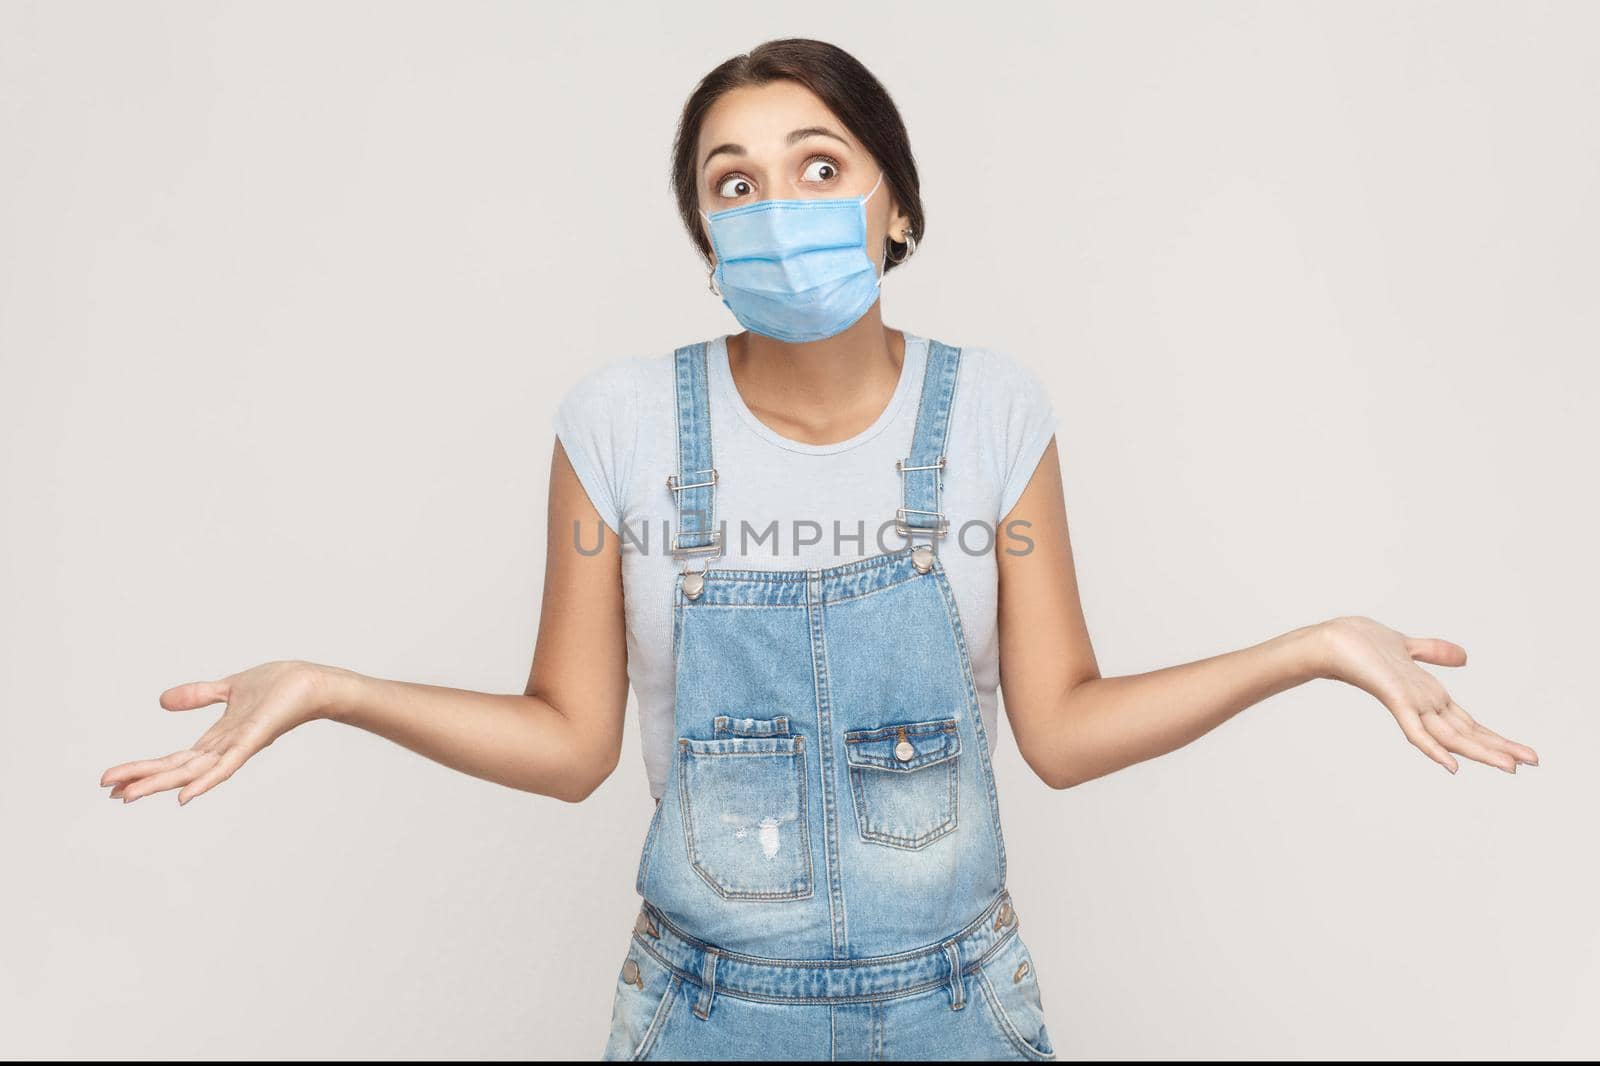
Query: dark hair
(840, 81)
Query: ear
(899, 224)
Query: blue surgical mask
(795, 270)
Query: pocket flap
(879, 749)
(792, 745)
(727, 725)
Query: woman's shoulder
(997, 372)
(598, 422)
(996, 387)
(1001, 397)
(613, 385)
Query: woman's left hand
(1378, 660)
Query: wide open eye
(821, 170)
(734, 186)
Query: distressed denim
(825, 875)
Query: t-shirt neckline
(910, 375)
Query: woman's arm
(561, 737)
(1072, 725)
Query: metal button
(1022, 971)
(922, 559)
(903, 750)
(1004, 915)
(693, 585)
(630, 974)
(644, 925)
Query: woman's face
(780, 142)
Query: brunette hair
(840, 81)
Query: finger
(1464, 725)
(128, 771)
(1412, 728)
(1436, 651)
(233, 759)
(1464, 744)
(1521, 752)
(173, 778)
(194, 694)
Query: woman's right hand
(263, 703)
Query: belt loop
(708, 984)
(952, 954)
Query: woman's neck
(821, 392)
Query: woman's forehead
(761, 118)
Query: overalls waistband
(823, 981)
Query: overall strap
(695, 483)
(922, 472)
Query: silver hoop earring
(911, 248)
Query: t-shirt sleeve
(1027, 421)
(597, 425)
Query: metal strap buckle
(672, 481)
(714, 548)
(938, 530)
(901, 514)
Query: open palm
(262, 703)
(1383, 662)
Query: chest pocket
(903, 779)
(743, 798)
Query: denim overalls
(825, 875)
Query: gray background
(288, 293)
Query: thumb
(1435, 650)
(194, 694)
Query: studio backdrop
(288, 294)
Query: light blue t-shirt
(786, 505)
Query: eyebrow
(795, 136)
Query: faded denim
(824, 877)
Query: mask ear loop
(882, 267)
(711, 275)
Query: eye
(821, 169)
(734, 185)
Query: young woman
(815, 548)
